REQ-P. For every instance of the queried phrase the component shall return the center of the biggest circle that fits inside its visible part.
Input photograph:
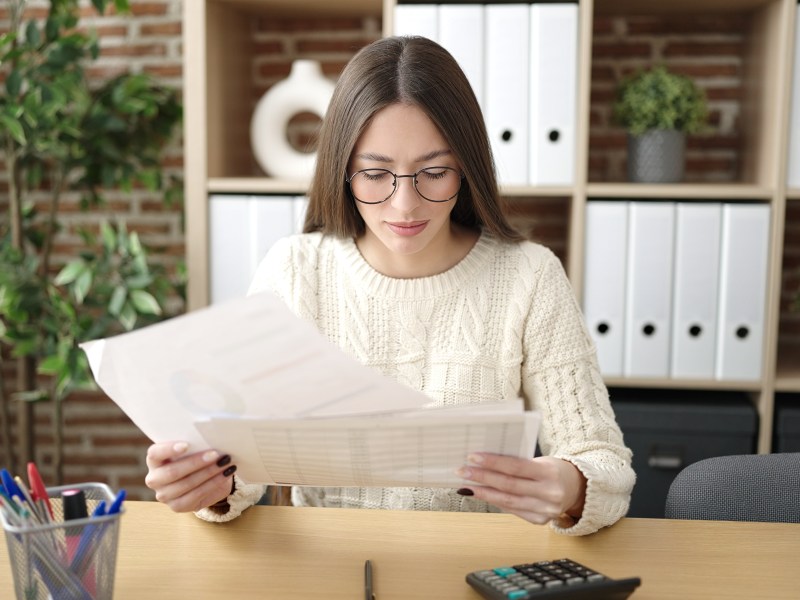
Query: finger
(180, 487)
(158, 454)
(202, 495)
(517, 486)
(176, 470)
(514, 466)
(531, 509)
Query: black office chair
(748, 487)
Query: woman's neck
(433, 260)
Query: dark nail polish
(465, 492)
(224, 460)
(229, 471)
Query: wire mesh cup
(73, 559)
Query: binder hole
(695, 330)
(649, 329)
(742, 332)
(602, 328)
(506, 135)
(554, 135)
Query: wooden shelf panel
(694, 384)
(537, 191)
(787, 376)
(682, 191)
(255, 185)
(679, 7)
(268, 185)
(314, 8)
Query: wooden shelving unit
(218, 108)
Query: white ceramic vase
(305, 90)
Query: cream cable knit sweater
(501, 324)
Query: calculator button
(596, 577)
(517, 595)
(505, 571)
(532, 586)
(574, 580)
(553, 583)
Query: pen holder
(73, 559)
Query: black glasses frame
(413, 177)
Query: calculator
(562, 579)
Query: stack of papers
(250, 379)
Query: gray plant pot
(656, 156)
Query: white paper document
(250, 379)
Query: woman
(409, 265)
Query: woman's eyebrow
(433, 154)
(374, 156)
(382, 158)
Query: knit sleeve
(561, 378)
(243, 497)
(275, 272)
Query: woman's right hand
(188, 482)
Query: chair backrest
(748, 487)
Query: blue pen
(10, 485)
(81, 561)
(117, 503)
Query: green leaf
(31, 396)
(14, 83)
(145, 303)
(118, 297)
(128, 316)
(14, 128)
(32, 36)
(70, 272)
(51, 365)
(134, 244)
(82, 285)
(138, 282)
(109, 237)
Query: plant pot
(656, 156)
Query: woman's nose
(405, 196)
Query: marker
(38, 489)
(74, 505)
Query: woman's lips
(407, 229)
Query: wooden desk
(283, 552)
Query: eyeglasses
(435, 184)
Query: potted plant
(62, 135)
(658, 108)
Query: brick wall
(101, 443)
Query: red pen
(38, 491)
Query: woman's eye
(374, 175)
(434, 173)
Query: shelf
(683, 191)
(676, 7)
(255, 185)
(306, 8)
(268, 185)
(538, 191)
(787, 376)
(793, 194)
(694, 384)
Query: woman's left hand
(538, 490)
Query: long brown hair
(418, 71)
